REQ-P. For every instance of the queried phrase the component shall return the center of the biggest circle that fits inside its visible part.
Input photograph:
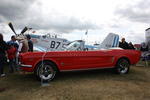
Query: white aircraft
(48, 43)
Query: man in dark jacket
(3, 49)
(30, 43)
(123, 44)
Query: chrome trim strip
(22, 65)
(87, 69)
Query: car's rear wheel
(122, 66)
(46, 71)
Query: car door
(94, 59)
(68, 60)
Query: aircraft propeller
(11, 27)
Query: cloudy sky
(71, 18)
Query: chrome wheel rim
(46, 72)
(123, 67)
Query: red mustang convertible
(46, 65)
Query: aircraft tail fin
(112, 40)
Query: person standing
(131, 46)
(30, 43)
(144, 47)
(123, 44)
(144, 51)
(11, 52)
(13, 42)
(3, 49)
(23, 44)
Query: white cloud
(75, 16)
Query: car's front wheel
(122, 66)
(46, 71)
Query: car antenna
(44, 83)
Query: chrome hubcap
(123, 67)
(46, 72)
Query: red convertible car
(46, 65)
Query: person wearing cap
(23, 44)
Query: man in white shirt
(23, 44)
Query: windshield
(73, 46)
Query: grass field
(84, 85)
